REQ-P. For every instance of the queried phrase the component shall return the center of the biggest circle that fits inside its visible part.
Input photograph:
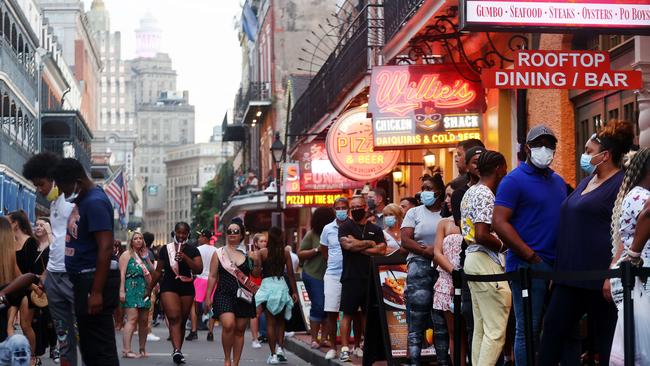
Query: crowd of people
(62, 279)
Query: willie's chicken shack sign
(419, 106)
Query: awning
(240, 204)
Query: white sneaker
(152, 337)
(330, 355)
(289, 334)
(256, 344)
(358, 351)
(272, 360)
(280, 354)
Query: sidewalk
(299, 344)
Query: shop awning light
(398, 176)
(429, 159)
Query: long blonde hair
(633, 174)
(129, 246)
(7, 252)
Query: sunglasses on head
(232, 231)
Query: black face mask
(371, 203)
(358, 214)
(444, 211)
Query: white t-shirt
(391, 243)
(60, 210)
(206, 251)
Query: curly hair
(489, 161)
(638, 168)
(40, 166)
(617, 138)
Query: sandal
(130, 354)
(326, 344)
(315, 345)
(143, 353)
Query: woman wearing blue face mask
(585, 244)
(392, 223)
(418, 233)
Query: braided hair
(489, 161)
(638, 168)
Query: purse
(39, 301)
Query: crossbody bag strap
(143, 267)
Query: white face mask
(541, 157)
(73, 196)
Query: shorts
(179, 287)
(354, 295)
(332, 289)
(200, 288)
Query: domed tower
(99, 17)
(148, 37)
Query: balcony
(397, 13)
(252, 102)
(348, 63)
(65, 133)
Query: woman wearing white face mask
(585, 244)
(392, 223)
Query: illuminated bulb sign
(421, 106)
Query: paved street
(199, 352)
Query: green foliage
(212, 197)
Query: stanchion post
(457, 278)
(628, 312)
(525, 278)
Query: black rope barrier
(626, 272)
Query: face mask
(390, 221)
(73, 196)
(371, 203)
(358, 214)
(586, 165)
(428, 198)
(53, 194)
(541, 157)
(341, 215)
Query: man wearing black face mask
(376, 202)
(359, 239)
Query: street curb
(314, 357)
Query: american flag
(118, 191)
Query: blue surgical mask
(428, 198)
(341, 215)
(390, 221)
(586, 165)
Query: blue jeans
(316, 290)
(15, 351)
(537, 294)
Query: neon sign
(351, 149)
(398, 94)
(311, 199)
(418, 106)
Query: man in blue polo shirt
(88, 260)
(525, 217)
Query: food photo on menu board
(392, 279)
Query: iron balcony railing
(68, 147)
(349, 62)
(258, 91)
(397, 13)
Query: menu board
(390, 280)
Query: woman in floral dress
(135, 270)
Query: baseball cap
(539, 131)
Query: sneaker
(152, 337)
(192, 336)
(330, 355)
(210, 337)
(358, 351)
(289, 334)
(55, 354)
(178, 357)
(280, 354)
(256, 344)
(272, 360)
(345, 354)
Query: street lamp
(430, 160)
(277, 151)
